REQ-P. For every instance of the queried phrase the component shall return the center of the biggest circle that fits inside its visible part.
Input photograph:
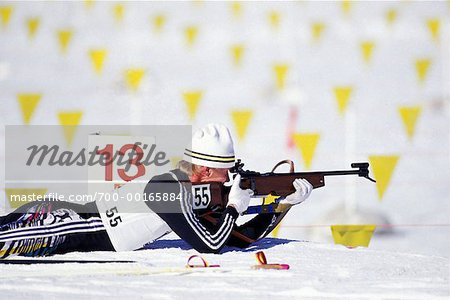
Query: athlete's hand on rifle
(302, 191)
(239, 198)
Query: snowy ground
(317, 271)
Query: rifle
(275, 184)
(280, 184)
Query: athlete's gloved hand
(239, 198)
(302, 191)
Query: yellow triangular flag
(64, 38)
(192, 100)
(241, 121)
(281, 71)
(236, 9)
(119, 11)
(133, 78)
(20, 196)
(317, 30)
(158, 22)
(197, 3)
(346, 6)
(383, 167)
(237, 52)
(191, 33)
(269, 199)
(306, 143)
(69, 120)
(28, 104)
(97, 58)
(367, 50)
(276, 230)
(409, 117)
(175, 160)
(5, 15)
(89, 3)
(422, 66)
(342, 95)
(32, 26)
(353, 235)
(274, 19)
(434, 28)
(391, 16)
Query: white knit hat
(212, 146)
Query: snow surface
(317, 271)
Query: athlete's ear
(205, 171)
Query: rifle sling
(234, 232)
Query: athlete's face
(206, 174)
(218, 175)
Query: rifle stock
(278, 184)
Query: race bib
(201, 194)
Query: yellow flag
(352, 235)
(119, 11)
(192, 100)
(422, 66)
(269, 199)
(236, 53)
(158, 22)
(367, 50)
(236, 9)
(434, 28)
(175, 160)
(281, 71)
(409, 117)
(346, 6)
(69, 120)
(342, 94)
(64, 38)
(276, 230)
(383, 167)
(391, 16)
(241, 121)
(32, 26)
(317, 30)
(191, 33)
(20, 196)
(89, 3)
(5, 15)
(133, 78)
(28, 104)
(306, 143)
(97, 58)
(274, 19)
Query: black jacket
(202, 235)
